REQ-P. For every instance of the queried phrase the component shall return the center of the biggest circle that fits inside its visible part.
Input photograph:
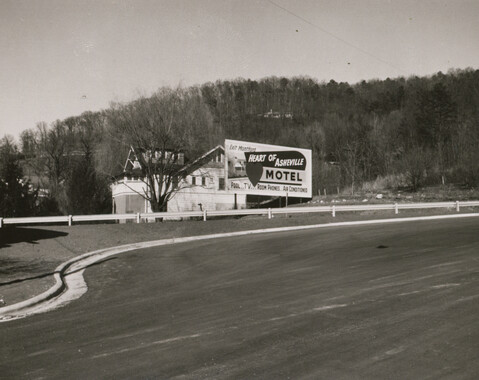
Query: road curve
(378, 301)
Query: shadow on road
(12, 235)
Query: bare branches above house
(160, 129)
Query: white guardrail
(138, 217)
(269, 212)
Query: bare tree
(417, 162)
(160, 129)
(28, 142)
(48, 155)
(53, 147)
(351, 162)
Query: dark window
(203, 181)
(221, 184)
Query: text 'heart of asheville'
(280, 166)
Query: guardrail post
(138, 217)
(69, 220)
(334, 211)
(204, 215)
(457, 206)
(396, 208)
(270, 214)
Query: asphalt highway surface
(396, 301)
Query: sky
(59, 58)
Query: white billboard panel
(271, 170)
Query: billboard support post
(286, 203)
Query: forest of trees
(398, 133)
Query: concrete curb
(83, 261)
(50, 293)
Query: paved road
(385, 301)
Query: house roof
(200, 161)
(132, 167)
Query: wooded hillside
(398, 132)
(412, 131)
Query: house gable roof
(204, 160)
(131, 161)
(132, 165)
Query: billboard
(271, 170)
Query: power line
(337, 37)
